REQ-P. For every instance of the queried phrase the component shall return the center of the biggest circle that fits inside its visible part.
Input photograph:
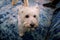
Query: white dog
(28, 18)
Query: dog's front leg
(21, 31)
(20, 27)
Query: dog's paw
(21, 34)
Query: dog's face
(29, 17)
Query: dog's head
(29, 16)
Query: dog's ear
(25, 3)
(36, 6)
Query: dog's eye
(27, 16)
(34, 16)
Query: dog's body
(27, 18)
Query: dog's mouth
(31, 27)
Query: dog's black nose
(32, 25)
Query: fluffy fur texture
(27, 18)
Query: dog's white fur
(23, 22)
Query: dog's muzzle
(32, 25)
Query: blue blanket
(49, 25)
